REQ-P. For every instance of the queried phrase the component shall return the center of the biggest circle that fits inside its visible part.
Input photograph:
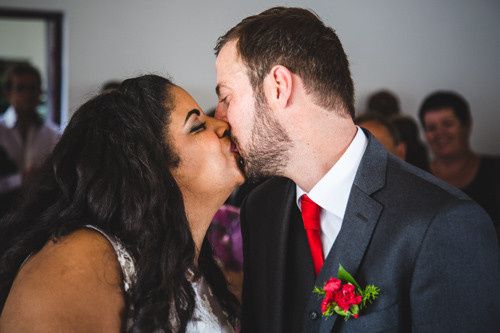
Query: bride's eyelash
(198, 128)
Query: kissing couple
(111, 237)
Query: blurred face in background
(446, 136)
(24, 94)
(383, 135)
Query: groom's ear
(278, 86)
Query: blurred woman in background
(447, 122)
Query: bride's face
(208, 164)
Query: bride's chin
(238, 168)
(240, 175)
(240, 181)
(237, 179)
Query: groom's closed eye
(223, 100)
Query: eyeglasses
(19, 88)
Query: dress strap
(124, 258)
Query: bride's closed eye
(198, 127)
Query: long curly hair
(111, 169)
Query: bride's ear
(278, 87)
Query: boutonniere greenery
(344, 296)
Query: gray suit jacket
(432, 251)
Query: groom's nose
(220, 112)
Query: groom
(337, 197)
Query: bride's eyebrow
(190, 113)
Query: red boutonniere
(344, 296)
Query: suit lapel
(349, 248)
(359, 222)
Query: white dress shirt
(39, 142)
(332, 191)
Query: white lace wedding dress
(208, 315)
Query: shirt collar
(9, 117)
(332, 191)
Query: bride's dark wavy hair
(111, 169)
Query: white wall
(410, 47)
(29, 44)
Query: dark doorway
(53, 66)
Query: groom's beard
(267, 153)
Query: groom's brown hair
(297, 39)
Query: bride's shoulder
(73, 278)
(83, 253)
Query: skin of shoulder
(72, 284)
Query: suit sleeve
(455, 285)
(247, 302)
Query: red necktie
(310, 216)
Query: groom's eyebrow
(190, 113)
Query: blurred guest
(447, 122)
(386, 104)
(383, 102)
(26, 137)
(10, 182)
(225, 236)
(384, 131)
(416, 152)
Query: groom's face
(235, 94)
(261, 140)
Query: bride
(112, 235)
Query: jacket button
(313, 315)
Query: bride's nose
(221, 128)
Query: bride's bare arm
(72, 285)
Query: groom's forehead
(229, 59)
(232, 77)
